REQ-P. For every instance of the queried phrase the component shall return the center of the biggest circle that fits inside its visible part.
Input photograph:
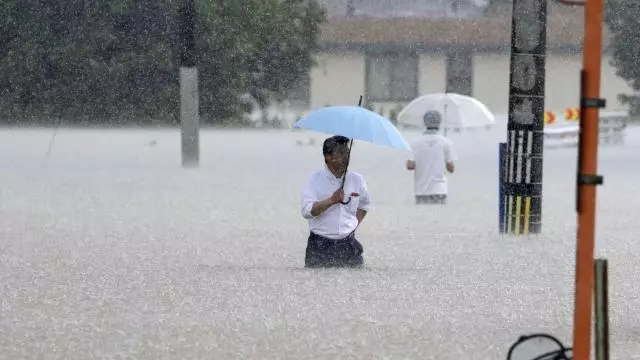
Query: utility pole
(525, 127)
(189, 97)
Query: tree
(261, 48)
(623, 19)
(117, 60)
(86, 60)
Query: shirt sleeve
(309, 197)
(449, 153)
(412, 157)
(364, 203)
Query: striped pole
(525, 127)
(523, 183)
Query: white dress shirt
(430, 154)
(339, 220)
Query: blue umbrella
(354, 122)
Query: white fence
(560, 131)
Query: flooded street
(109, 249)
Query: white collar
(331, 176)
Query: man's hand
(411, 165)
(360, 214)
(450, 167)
(321, 206)
(337, 196)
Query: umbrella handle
(349, 199)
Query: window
(459, 5)
(460, 72)
(392, 76)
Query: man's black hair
(331, 143)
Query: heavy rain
(112, 245)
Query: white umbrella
(458, 111)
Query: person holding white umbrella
(433, 157)
(458, 111)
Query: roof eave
(437, 48)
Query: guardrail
(611, 132)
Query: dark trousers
(431, 199)
(325, 252)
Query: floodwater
(109, 249)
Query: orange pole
(591, 58)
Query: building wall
(562, 82)
(433, 73)
(339, 79)
(491, 80)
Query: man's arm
(321, 206)
(449, 157)
(309, 199)
(364, 202)
(311, 205)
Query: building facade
(391, 58)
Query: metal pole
(189, 97)
(587, 177)
(525, 126)
(601, 296)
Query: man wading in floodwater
(332, 225)
(433, 156)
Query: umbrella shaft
(344, 176)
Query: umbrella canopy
(354, 122)
(458, 111)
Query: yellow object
(572, 114)
(518, 214)
(549, 117)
